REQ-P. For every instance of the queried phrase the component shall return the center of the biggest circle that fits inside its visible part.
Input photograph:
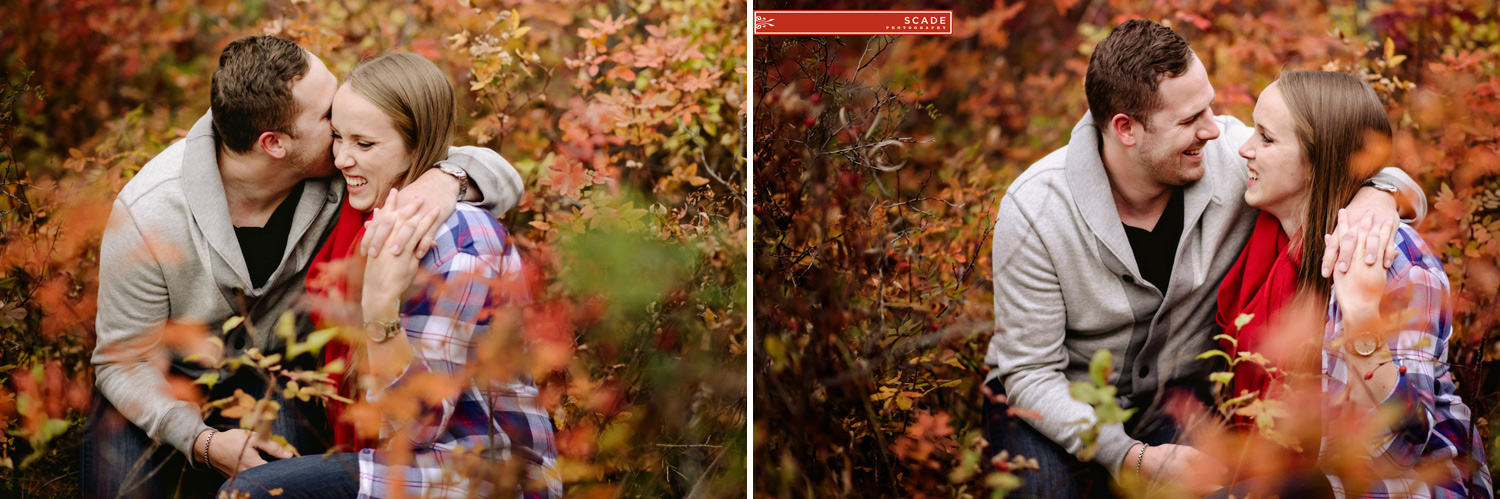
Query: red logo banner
(853, 22)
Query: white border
(749, 138)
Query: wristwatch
(1366, 345)
(379, 331)
(1382, 186)
(458, 173)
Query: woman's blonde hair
(418, 99)
(1337, 117)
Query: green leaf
(1087, 452)
(1099, 366)
(1231, 339)
(1084, 392)
(1221, 377)
(314, 344)
(1212, 353)
(232, 323)
(1239, 322)
(1246, 397)
(1106, 393)
(1003, 481)
(776, 349)
(1112, 413)
(286, 327)
(208, 379)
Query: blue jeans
(118, 460)
(1310, 486)
(305, 477)
(1061, 475)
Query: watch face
(1365, 345)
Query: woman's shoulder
(472, 230)
(1413, 253)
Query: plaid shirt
(1437, 425)
(444, 327)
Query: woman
(1305, 162)
(393, 119)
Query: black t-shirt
(263, 246)
(1155, 250)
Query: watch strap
(1382, 186)
(457, 173)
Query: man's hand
(1371, 201)
(435, 186)
(1196, 472)
(234, 451)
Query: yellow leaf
(275, 492)
(279, 440)
(515, 20)
(1239, 322)
(315, 342)
(232, 323)
(286, 326)
(521, 31)
(1390, 48)
(207, 379)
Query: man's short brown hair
(1127, 69)
(252, 90)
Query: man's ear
(272, 143)
(1124, 129)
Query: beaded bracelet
(1138, 457)
(210, 441)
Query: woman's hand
(1359, 291)
(1359, 288)
(388, 274)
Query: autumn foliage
(625, 120)
(880, 161)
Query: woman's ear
(272, 144)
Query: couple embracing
(291, 172)
(1161, 225)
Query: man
(1119, 241)
(223, 224)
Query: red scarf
(1260, 283)
(330, 289)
